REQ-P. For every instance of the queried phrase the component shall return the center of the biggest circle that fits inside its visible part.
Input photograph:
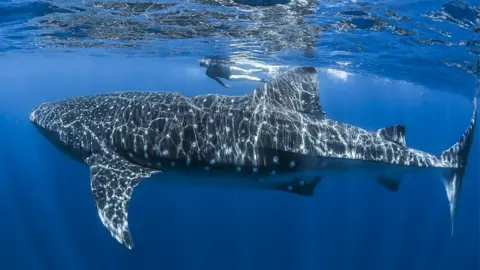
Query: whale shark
(276, 138)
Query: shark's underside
(276, 137)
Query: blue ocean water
(380, 63)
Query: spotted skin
(278, 129)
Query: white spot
(165, 152)
(292, 163)
(302, 183)
(188, 162)
(255, 169)
(275, 159)
(172, 163)
(212, 162)
(194, 144)
(146, 156)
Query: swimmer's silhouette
(218, 68)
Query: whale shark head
(45, 118)
(51, 120)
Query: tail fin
(457, 155)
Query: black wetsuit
(216, 69)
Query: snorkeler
(217, 69)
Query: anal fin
(301, 186)
(112, 180)
(391, 184)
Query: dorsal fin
(296, 89)
(394, 134)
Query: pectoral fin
(112, 180)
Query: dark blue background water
(49, 220)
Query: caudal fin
(457, 156)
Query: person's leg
(244, 77)
(253, 70)
(238, 70)
(245, 71)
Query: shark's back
(150, 128)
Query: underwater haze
(380, 63)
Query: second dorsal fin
(296, 89)
(394, 134)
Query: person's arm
(219, 81)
